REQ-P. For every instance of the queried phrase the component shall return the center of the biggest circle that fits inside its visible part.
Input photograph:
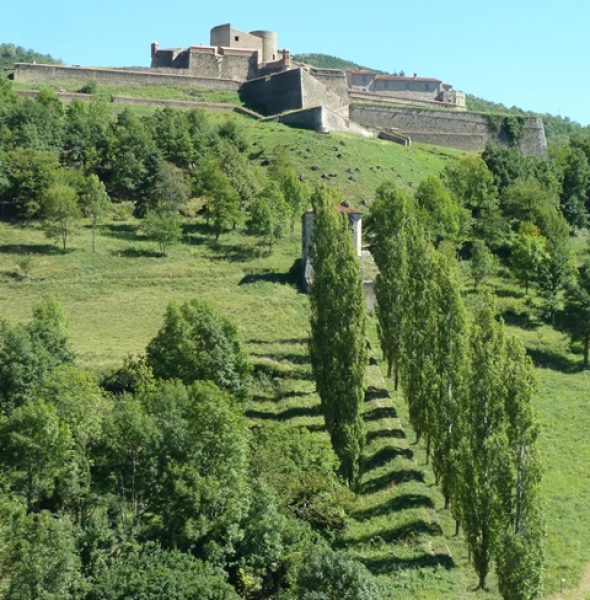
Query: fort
(272, 83)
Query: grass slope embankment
(154, 92)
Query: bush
(329, 575)
(89, 88)
(149, 572)
(198, 343)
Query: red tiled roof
(342, 209)
(347, 210)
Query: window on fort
(236, 38)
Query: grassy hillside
(326, 61)
(116, 298)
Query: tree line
(468, 386)
(61, 163)
(151, 483)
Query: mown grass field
(115, 300)
(153, 92)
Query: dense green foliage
(325, 61)
(559, 130)
(197, 343)
(10, 54)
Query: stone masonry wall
(466, 131)
(274, 94)
(238, 66)
(334, 79)
(315, 93)
(37, 73)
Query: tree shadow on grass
(137, 253)
(395, 504)
(522, 320)
(292, 394)
(377, 434)
(30, 249)
(268, 276)
(384, 455)
(374, 393)
(122, 231)
(391, 564)
(381, 412)
(283, 341)
(232, 252)
(285, 415)
(407, 532)
(391, 478)
(552, 360)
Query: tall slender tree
(450, 361)
(483, 438)
(387, 225)
(519, 550)
(338, 344)
(418, 373)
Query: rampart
(290, 90)
(464, 131)
(134, 77)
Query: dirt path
(581, 592)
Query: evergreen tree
(338, 344)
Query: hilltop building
(405, 88)
(397, 109)
(232, 54)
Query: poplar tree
(386, 225)
(418, 374)
(519, 552)
(500, 473)
(450, 361)
(338, 345)
(483, 438)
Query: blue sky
(519, 52)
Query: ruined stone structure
(270, 82)
(355, 225)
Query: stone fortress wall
(271, 83)
(465, 131)
(132, 77)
